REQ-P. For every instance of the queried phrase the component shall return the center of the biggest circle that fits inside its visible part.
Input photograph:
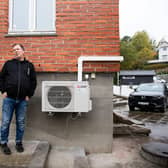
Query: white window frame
(31, 22)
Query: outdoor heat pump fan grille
(66, 96)
(59, 96)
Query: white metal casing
(74, 96)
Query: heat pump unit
(66, 96)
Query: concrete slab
(34, 155)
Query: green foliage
(128, 50)
(141, 40)
(137, 50)
(159, 67)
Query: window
(164, 48)
(164, 57)
(32, 16)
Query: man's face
(19, 52)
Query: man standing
(17, 84)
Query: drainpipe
(95, 58)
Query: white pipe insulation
(95, 58)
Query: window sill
(24, 34)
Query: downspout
(95, 58)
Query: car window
(150, 87)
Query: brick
(82, 28)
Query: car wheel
(163, 109)
(131, 108)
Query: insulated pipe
(95, 58)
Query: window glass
(150, 87)
(20, 14)
(44, 15)
(164, 48)
(32, 16)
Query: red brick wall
(83, 28)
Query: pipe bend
(95, 58)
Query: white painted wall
(163, 50)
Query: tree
(143, 56)
(141, 40)
(128, 51)
(137, 50)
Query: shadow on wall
(94, 126)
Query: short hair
(22, 47)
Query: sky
(148, 15)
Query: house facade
(55, 34)
(163, 50)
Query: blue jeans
(9, 107)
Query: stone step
(119, 101)
(34, 155)
(69, 157)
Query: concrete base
(34, 155)
(92, 131)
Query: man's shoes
(5, 149)
(19, 147)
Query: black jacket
(18, 79)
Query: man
(17, 84)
